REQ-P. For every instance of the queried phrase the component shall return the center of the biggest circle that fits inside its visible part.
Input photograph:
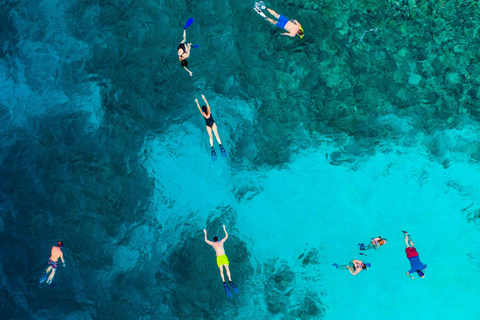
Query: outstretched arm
(208, 107)
(63, 260)
(406, 239)
(226, 234)
(408, 274)
(188, 71)
(198, 106)
(206, 240)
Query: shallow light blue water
(367, 126)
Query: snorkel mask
(301, 29)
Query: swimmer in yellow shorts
(222, 261)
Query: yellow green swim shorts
(222, 260)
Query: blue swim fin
(234, 287)
(227, 291)
(335, 265)
(362, 246)
(214, 155)
(222, 150)
(43, 278)
(189, 23)
(195, 46)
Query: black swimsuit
(182, 46)
(209, 121)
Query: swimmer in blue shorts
(293, 27)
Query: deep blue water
(367, 126)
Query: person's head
(215, 238)
(300, 33)
(381, 242)
(366, 266)
(420, 274)
(184, 63)
(204, 109)
(59, 244)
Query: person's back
(219, 250)
(56, 253)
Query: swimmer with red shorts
(415, 264)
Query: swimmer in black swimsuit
(184, 52)
(210, 123)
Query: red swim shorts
(411, 252)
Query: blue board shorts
(282, 21)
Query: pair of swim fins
(259, 6)
(222, 150)
(227, 289)
(43, 278)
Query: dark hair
(60, 244)
(184, 63)
(215, 238)
(364, 266)
(204, 109)
(420, 273)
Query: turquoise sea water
(366, 127)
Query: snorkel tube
(301, 36)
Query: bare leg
(50, 278)
(221, 273)
(214, 127)
(48, 269)
(273, 13)
(228, 273)
(411, 242)
(184, 36)
(272, 21)
(209, 130)
(343, 267)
